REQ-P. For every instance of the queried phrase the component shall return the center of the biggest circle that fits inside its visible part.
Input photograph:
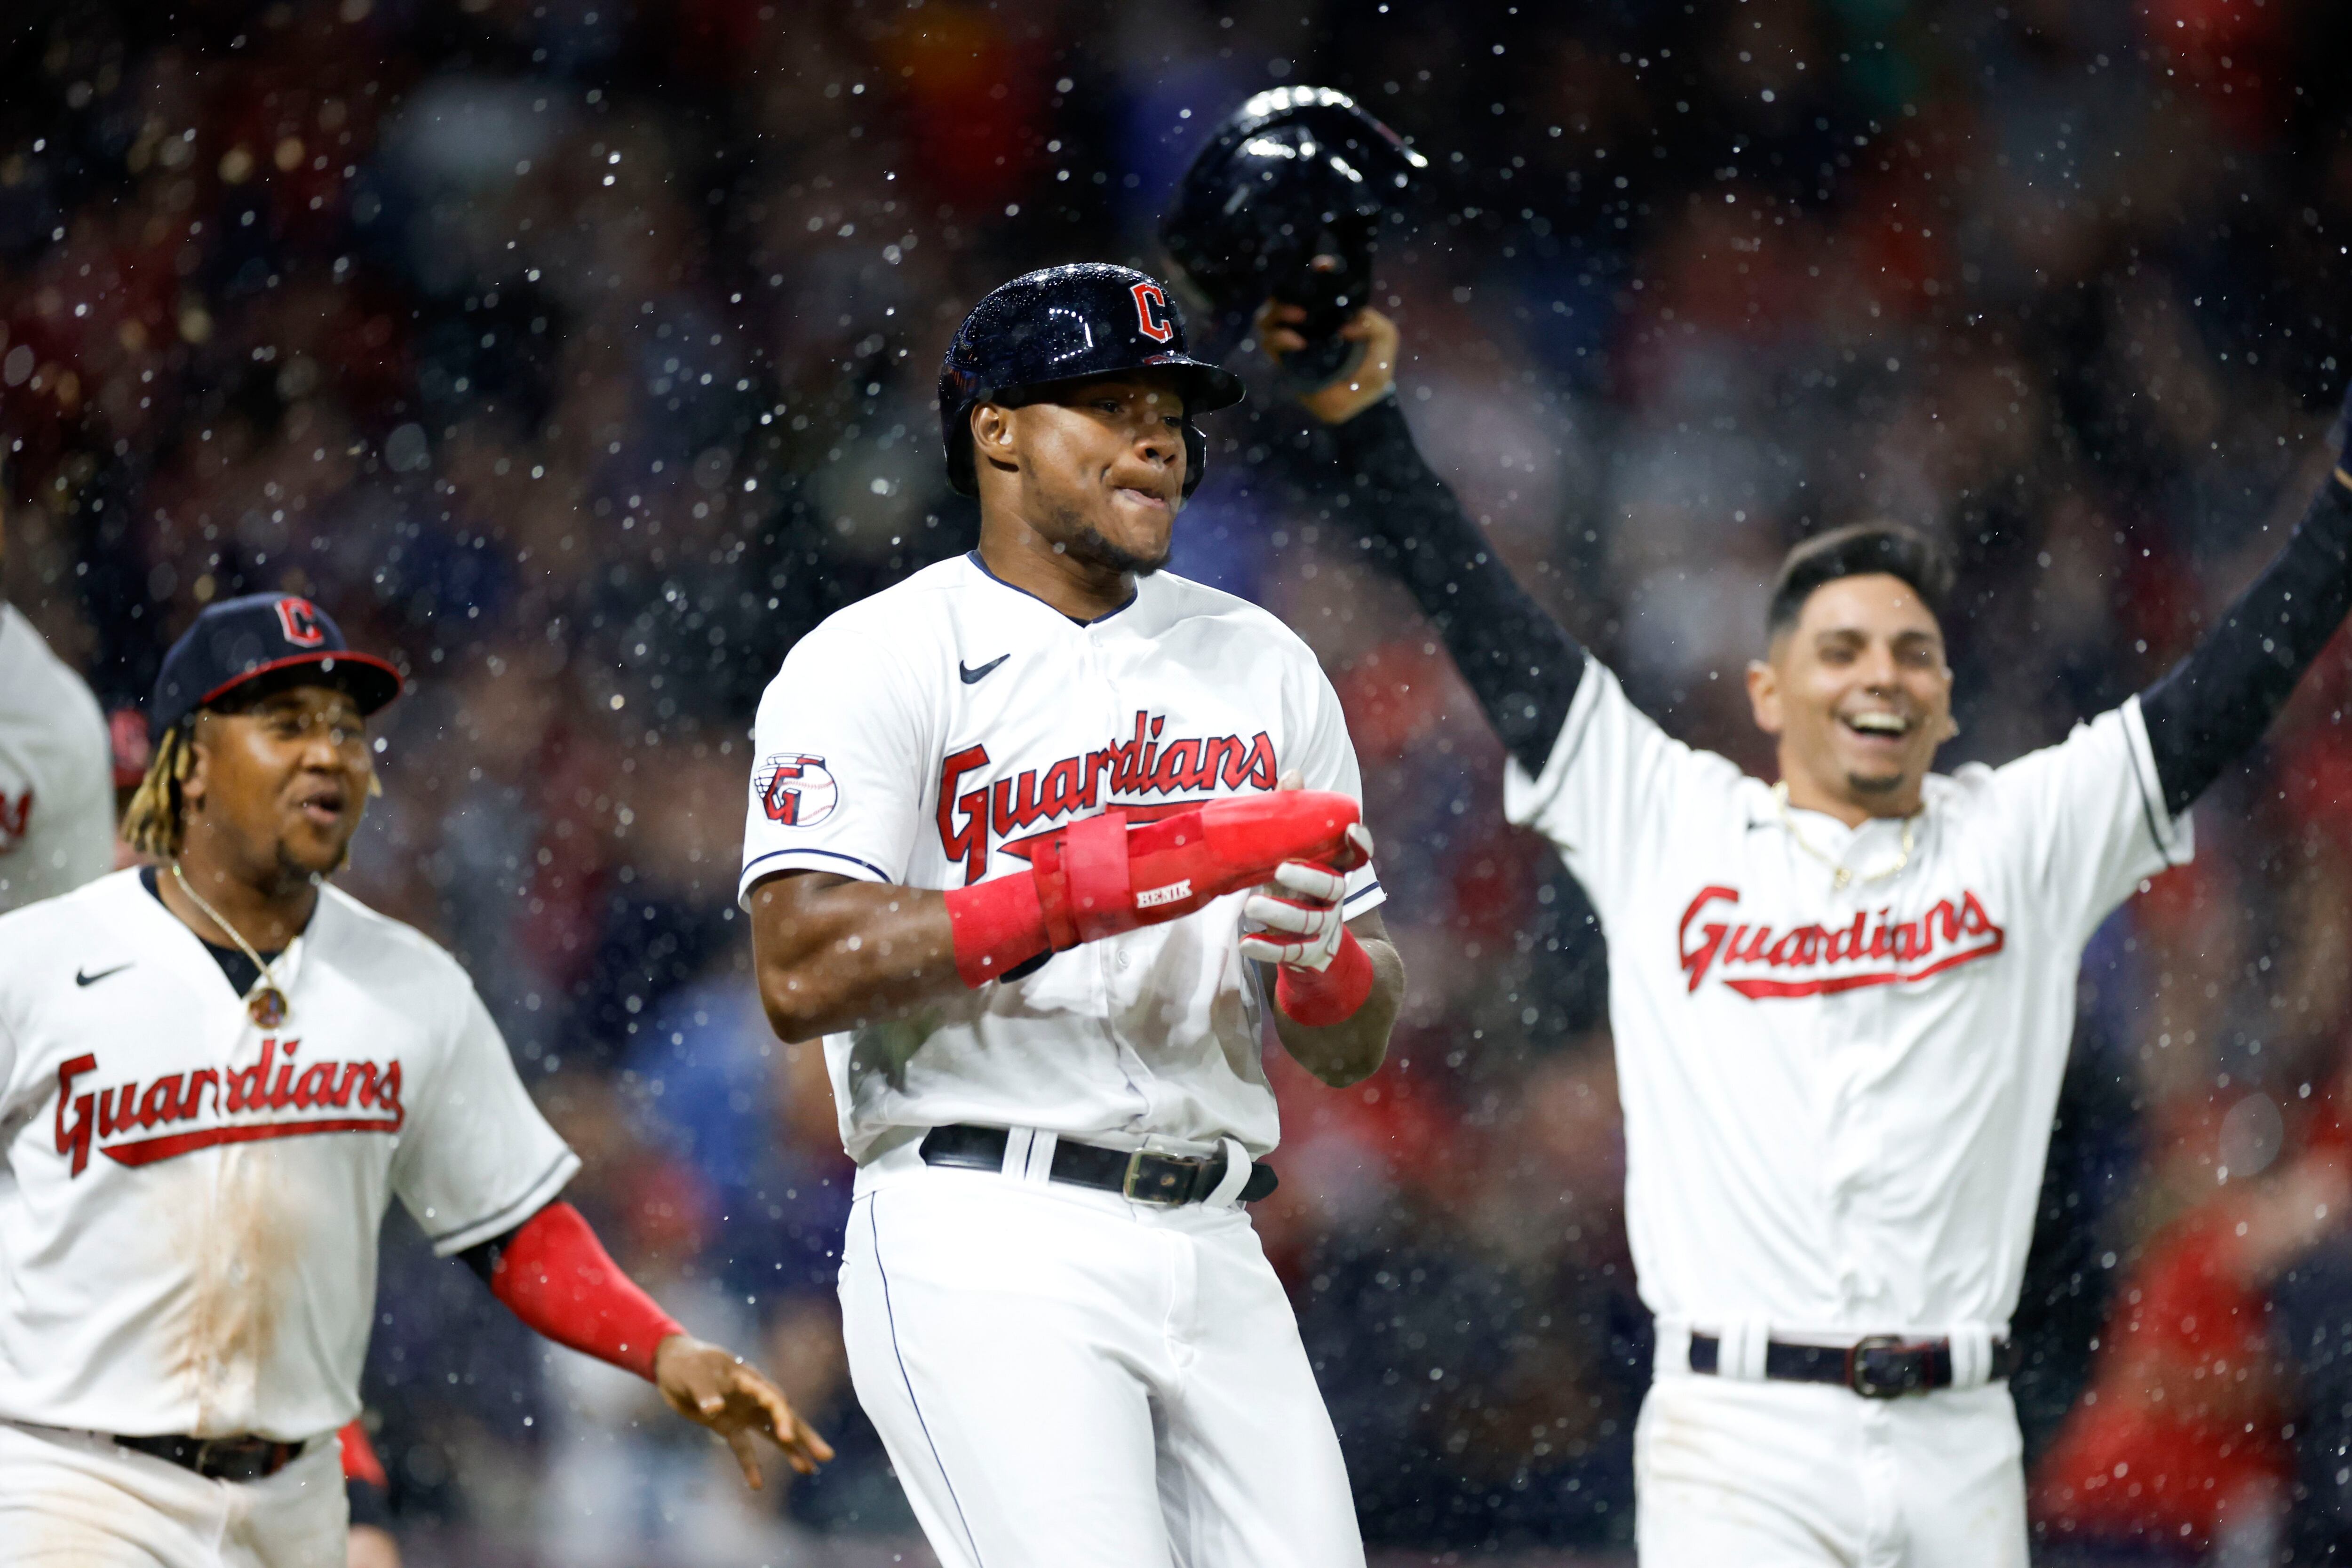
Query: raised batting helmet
(1061, 324)
(1296, 173)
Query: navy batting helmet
(1061, 324)
(1296, 173)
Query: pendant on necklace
(1840, 878)
(268, 1006)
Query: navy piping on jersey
(879, 874)
(973, 556)
(506, 1231)
(890, 1314)
(1371, 887)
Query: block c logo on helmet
(1151, 312)
(299, 620)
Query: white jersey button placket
(1844, 1057)
(1859, 1019)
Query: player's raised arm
(1522, 663)
(2211, 708)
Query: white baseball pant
(77, 1500)
(1793, 1475)
(1066, 1379)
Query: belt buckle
(1857, 1370)
(1127, 1182)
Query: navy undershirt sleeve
(2208, 709)
(483, 1257)
(1521, 663)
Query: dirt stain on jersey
(241, 1254)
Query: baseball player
(215, 1072)
(1023, 845)
(45, 713)
(56, 802)
(1841, 1002)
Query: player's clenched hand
(1298, 913)
(1375, 373)
(718, 1389)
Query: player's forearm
(553, 1274)
(1522, 663)
(832, 954)
(1353, 1049)
(2213, 706)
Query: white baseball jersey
(56, 772)
(923, 735)
(189, 1204)
(1838, 1101)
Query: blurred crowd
(581, 354)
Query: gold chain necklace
(265, 1002)
(1839, 875)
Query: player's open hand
(717, 1388)
(1276, 324)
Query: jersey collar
(972, 556)
(194, 957)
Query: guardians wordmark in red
(1761, 963)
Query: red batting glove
(1100, 877)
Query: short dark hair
(1859, 549)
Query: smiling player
(214, 1073)
(1004, 829)
(1841, 1002)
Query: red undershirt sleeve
(553, 1274)
(359, 1461)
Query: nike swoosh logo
(973, 677)
(81, 978)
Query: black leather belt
(1148, 1177)
(1880, 1367)
(219, 1459)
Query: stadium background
(582, 353)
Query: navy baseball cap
(277, 640)
(1064, 323)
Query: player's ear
(991, 435)
(1764, 694)
(193, 783)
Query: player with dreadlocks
(215, 1072)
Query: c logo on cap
(299, 620)
(1152, 313)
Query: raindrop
(407, 449)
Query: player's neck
(269, 907)
(1853, 808)
(1020, 555)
